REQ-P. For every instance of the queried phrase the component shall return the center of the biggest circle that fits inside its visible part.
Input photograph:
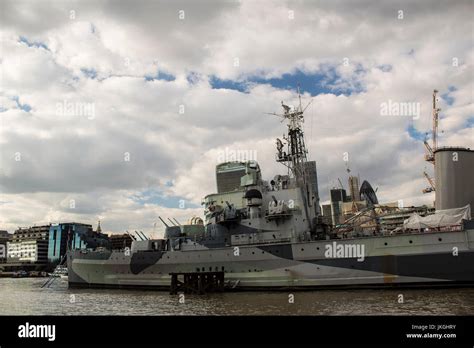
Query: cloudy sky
(120, 110)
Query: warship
(270, 235)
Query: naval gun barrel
(164, 223)
(144, 236)
(131, 236)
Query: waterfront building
(5, 237)
(29, 245)
(73, 235)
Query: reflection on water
(25, 296)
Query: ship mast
(295, 156)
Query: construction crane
(340, 183)
(430, 154)
(431, 181)
(436, 111)
(429, 157)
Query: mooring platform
(197, 282)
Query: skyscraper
(354, 188)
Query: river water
(24, 296)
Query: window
(54, 239)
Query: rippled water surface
(25, 296)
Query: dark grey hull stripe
(435, 266)
(283, 251)
(142, 260)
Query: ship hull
(432, 259)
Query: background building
(120, 241)
(29, 245)
(354, 188)
(338, 197)
(228, 176)
(73, 235)
(327, 215)
(5, 237)
(313, 179)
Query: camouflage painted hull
(443, 258)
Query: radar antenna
(295, 156)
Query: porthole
(440, 239)
(411, 241)
(385, 243)
(302, 249)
